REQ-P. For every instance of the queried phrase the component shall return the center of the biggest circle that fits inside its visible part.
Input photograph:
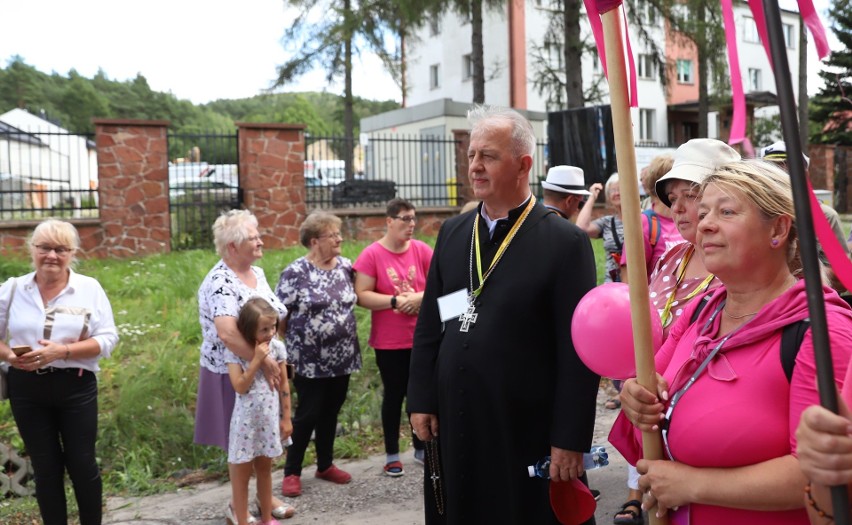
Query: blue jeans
(57, 416)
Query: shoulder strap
(614, 232)
(701, 304)
(791, 341)
(654, 227)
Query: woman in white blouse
(60, 324)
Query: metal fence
(419, 168)
(204, 180)
(47, 172)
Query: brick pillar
(272, 176)
(462, 138)
(133, 187)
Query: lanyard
(666, 423)
(666, 316)
(474, 241)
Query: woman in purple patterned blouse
(322, 343)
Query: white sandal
(280, 513)
(232, 519)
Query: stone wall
(133, 192)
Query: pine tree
(831, 108)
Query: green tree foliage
(73, 100)
(831, 108)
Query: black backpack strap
(615, 233)
(701, 304)
(791, 341)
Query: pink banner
(738, 121)
(594, 8)
(840, 263)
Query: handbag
(4, 382)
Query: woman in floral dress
(322, 343)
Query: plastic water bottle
(595, 458)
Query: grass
(148, 386)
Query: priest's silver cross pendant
(468, 318)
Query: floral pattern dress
(254, 422)
(223, 294)
(321, 338)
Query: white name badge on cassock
(453, 305)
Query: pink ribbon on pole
(738, 121)
(810, 17)
(840, 263)
(594, 8)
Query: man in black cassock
(498, 381)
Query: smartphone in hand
(21, 350)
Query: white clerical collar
(492, 224)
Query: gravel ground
(370, 499)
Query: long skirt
(213, 408)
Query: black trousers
(57, 416)
(319, 402)
(393, 367)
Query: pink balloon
(603, 333)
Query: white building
(439, 68)
(46, 160)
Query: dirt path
(370, 499)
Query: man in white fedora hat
(565, 190)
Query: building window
(646, 125)
(647, 12)
(434, 26)
(750, 30)
(754, 79)
(789, 36)
(434, 76)
(684, 71)
(467, 67)
(646, 66)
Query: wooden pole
(637, 274)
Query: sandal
(627, 516)
(612, 404)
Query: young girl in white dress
(261, 418)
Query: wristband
(67, 352)
(393, 302)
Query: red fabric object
(571, 501)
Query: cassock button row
(461, 368)
(466, 345)
(461, 412)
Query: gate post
(133, 188)
(462, 138)
(272, 177)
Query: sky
(200, 50)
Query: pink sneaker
(335, 475)
(291, 487)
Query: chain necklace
(739, 316)
(469, 316)
(434, 463)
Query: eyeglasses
(336, 235)
(406, 218)
(45, 249)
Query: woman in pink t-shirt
(391, 276)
